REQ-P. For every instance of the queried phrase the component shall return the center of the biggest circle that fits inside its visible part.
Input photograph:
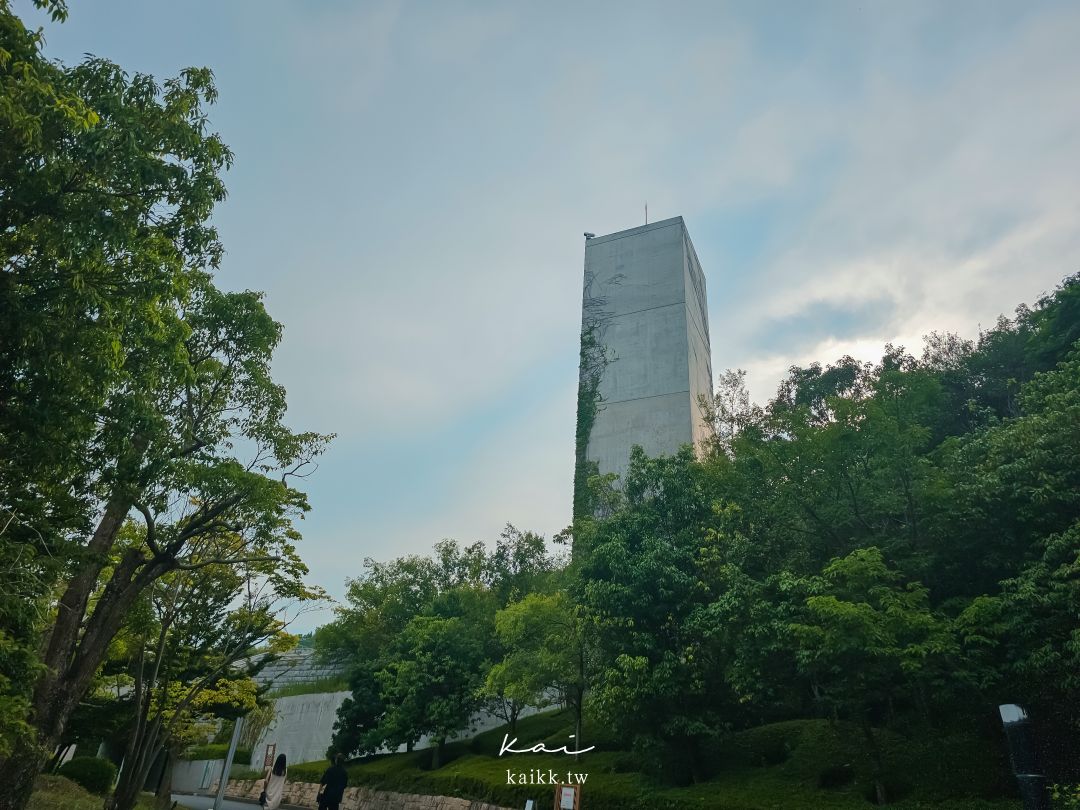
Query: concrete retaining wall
(301, 728)
(303, 794)
(196, 775)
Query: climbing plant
(595, 357)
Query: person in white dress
(274, 785)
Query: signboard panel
(567, 797)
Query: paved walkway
(191, 802)
(207, 802)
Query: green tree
(1014, 488)
(639, 587)
(192, 659)
(520, 564)
(729, 411)
(433, 683)
(868, 637)
(139, 379)
(39, 410)
(379, 605)
(462, 584)
(547, 656)
(357, 729)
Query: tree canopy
(132, 387)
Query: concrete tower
(645, 346)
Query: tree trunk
(141, 756)
(66, 676)
(693, 751)
(49, 711)
(126, 795)
(164, 791)
(875, 759)
(132, 779)
(577, 728)
(437, 754)
(18, 772)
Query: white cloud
(956, 200)
(413, 182)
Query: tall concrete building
(645, 345)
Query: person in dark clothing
(333, 784)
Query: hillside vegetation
(794, 764)
(877, 558)
(58, 793)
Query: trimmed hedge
(795, 764)
(92, 774)
(216, 751)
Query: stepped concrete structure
(645, 332)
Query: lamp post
(220, 797)
(1029, 776)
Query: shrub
(241, 771)
(772, 744)
(53, 792)
(836, 776)
(626, 763)
(550, 728)
(93, 774)
(217, 751)
(1067, 797)
(306, 771)
(450, 752)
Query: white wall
(196, 775)
(303, 726)
(649, 292)
(301, 729)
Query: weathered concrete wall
(699, 347)
(645, 289)
(196, 775)
(301, 729)
(303, 794)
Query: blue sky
(412, 181)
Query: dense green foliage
(792, 764)
(216, 751)
(93, 774)
(190, 662)
(891, 545)
(318, 687)
(887, 551)
(58, 793)
(418, 635)
(141, 432)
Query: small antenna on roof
(646, 212)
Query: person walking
(333, 783)
(274, 785)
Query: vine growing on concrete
(594, 359)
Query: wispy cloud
(413, 181)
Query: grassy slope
(58, 793)
(779, 767)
